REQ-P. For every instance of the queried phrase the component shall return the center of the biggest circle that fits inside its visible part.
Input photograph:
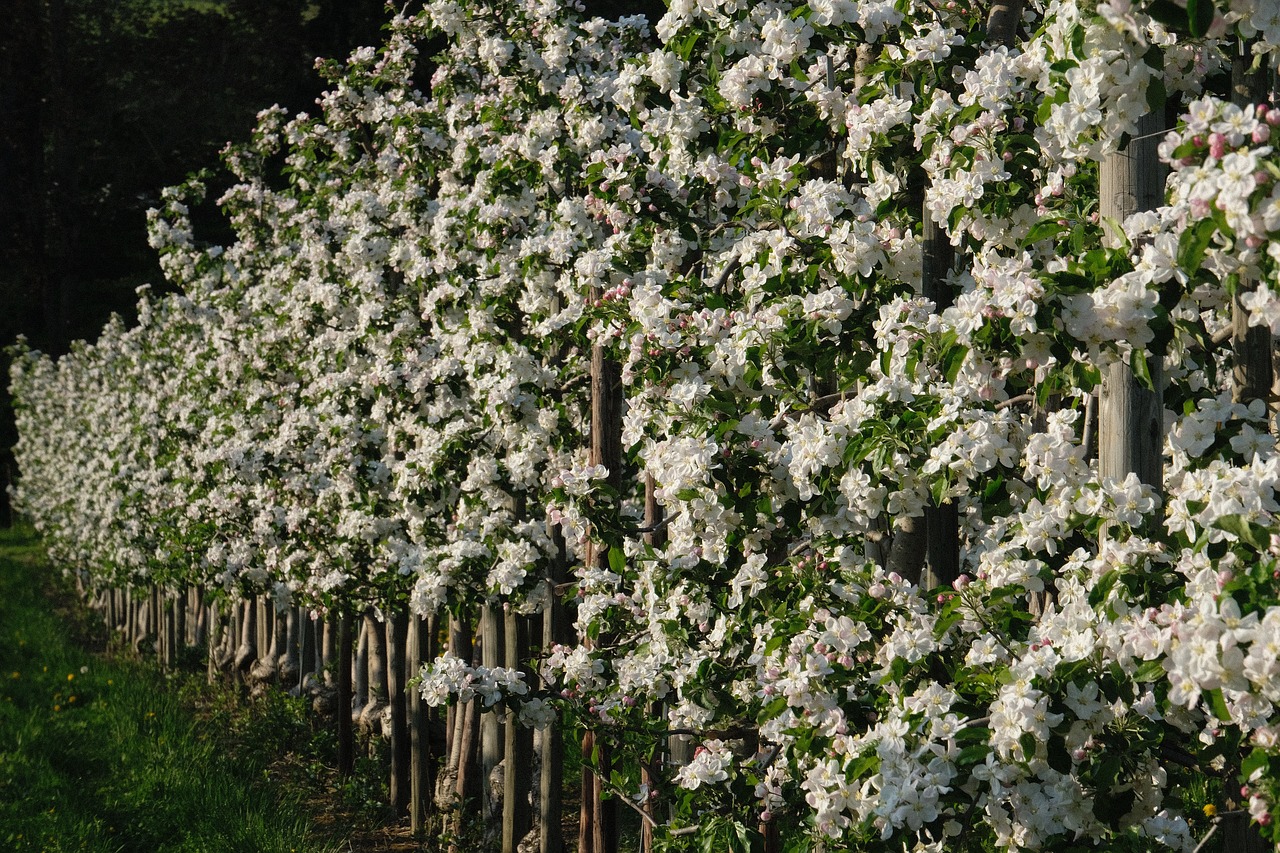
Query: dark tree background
(105, 102)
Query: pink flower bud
(1217, 145)
(1261, 134)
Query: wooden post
(598, 825)
(942, 521)
(555, 630)
(397, 626)
(1131, 416)
(1252, 374)
(491, 740)
(306, 648)
(180, 632)
(346, 733)
(168, 605)
(517, 816)
(420, 642)
(263, 614)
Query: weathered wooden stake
(420, 642)
(491, 741)
(555, 630)
(397, 626)
(1131, 418)
(517, 815)
(346, 732)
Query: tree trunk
(246, 652)
(1002, 21)
(371, 714)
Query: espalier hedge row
(770, 339)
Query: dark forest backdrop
(105, 102)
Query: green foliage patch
(105, 755)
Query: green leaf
(1255, 761)
(1194, 243)
(1028, 743)
(1148, 672)
(1156, 95)
(773, 709)
(617, 560)
(1044, 230)
(1255, 535)
(1218, 704)
(1103, 587)
(953, 361)
(1141, 370)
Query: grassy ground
(105, 754)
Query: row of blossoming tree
(755, 361)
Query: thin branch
(1212, 829)
(729, 269)
(644, 815)
(1028, 397)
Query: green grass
(103, 754)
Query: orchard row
(867, 404)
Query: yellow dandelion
(1210, 810)
(71, 676)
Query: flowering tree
(379, 394)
